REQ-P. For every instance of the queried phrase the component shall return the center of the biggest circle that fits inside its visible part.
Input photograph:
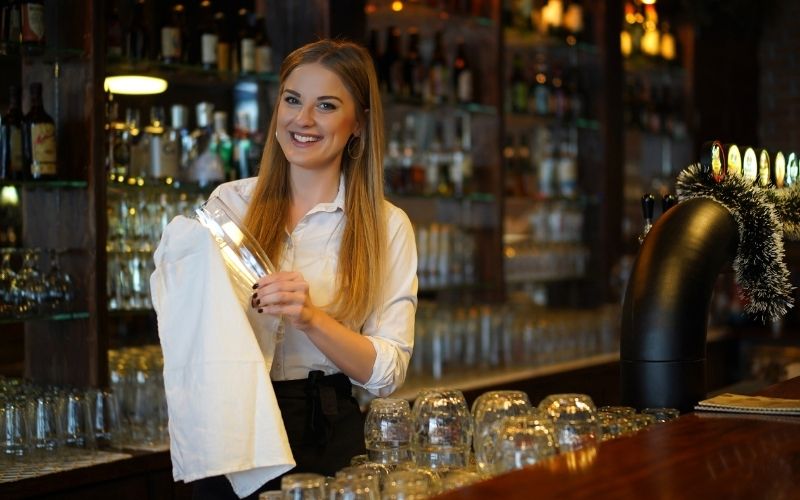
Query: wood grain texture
(699, 455)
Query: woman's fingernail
(257, 302)
(255, 295)
(261, 310)
(255, 286)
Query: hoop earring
(355, 140)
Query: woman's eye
(290, 99)
(327, 106)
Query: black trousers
(324, 425)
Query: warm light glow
(649, 2)
(553, 14)
(397, 6)
(667, 46)
(625, 43)
(9, 196)
(651, 42)
(134, 85)
(370, 8)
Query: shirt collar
(337, 203)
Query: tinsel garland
(759, 265)
(787, 204)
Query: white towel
(223, 415)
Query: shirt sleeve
(391, 328)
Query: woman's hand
(285, 294)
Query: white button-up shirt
(312, 249)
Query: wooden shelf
(500, 377)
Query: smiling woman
(317, 208)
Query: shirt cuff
(389, 370)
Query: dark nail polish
(255, 295)
(255, 286)
(258, 302)
(261, 310)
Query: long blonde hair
(362, 255)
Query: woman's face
(316, 117)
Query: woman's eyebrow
(320, 98)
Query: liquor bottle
(206, 164)
(113, 33)
(391, 62)
(39, 138)
(137, 143)
(223, 42)
(222, 144)
(568, 165)
(118, 156)
(463, 77)
(438, 73)
(172, 34)
(32, 23)
(179, 125)
(242, 147)
(246, 43)
(263, 56)
(11, 29)
(164, 146)
(461, 170)
(137, 42)
(539, 94)
(12, 158)
(559, 101)
(412, 67)
(373, 46)
(518, 100)
(393, 160)
(208, 37)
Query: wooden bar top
(699, 455)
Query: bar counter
(699, 455)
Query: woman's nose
(304, 116)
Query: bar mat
(737, 403)
(16, 470)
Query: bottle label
(15, 162)
(464, 86)
(43, 149)
(33, 23)
(263, 59)
(208, 43)
(170, 42)
(223, 56)
(248, 55)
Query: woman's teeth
(304, 138)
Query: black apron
(324, 425)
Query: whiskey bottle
(40, 138)
(12, 164)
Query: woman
(346, 285)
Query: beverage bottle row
(544, 88)
(542, 163)
(655, 106)
(549, 17)
(207, 34)
(22, 26)
(27, 141)
(429, 155)
(446, 256)
(207, 154)
(423, 69)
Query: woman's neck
(310, 188)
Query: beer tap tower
(724, 215)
